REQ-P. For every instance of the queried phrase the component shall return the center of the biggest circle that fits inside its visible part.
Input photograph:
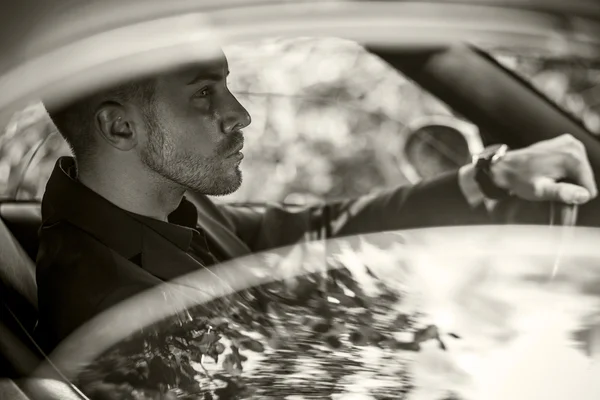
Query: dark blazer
(93, 254)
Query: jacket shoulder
(75, 273)
(66, 252)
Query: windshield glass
(447, 313)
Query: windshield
(447, 313)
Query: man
(115, 220)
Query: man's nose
(236, 118)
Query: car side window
(29, 148)
(330, 121)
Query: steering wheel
(515, 211)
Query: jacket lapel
(208, 220)
(163, 259)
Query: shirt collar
(180, 234)
(66, 199)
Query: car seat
(18, 297)
(20, 354)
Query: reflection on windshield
(436, 314)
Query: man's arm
(437, 202)
(533, 173)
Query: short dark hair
(75, 121)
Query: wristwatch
(483, 171)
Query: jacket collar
(208, 214)
(128, 234)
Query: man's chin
(227, 185)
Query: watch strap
(483, 174)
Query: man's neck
(141, 195)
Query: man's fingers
(583, 175)
(549, 190)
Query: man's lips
(237, 152)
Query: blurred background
(330, 120)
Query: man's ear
(115, 125)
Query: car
(423, 313)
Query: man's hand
(534, 173)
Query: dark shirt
(94, 255)
(182, 231)
(90, 248)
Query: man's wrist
(490, 172)
(471, 190)
(469, 186)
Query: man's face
(194, 130)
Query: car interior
(505, 107)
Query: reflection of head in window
(436, 148)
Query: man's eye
(204, 92)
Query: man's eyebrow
(207, 76)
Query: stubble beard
(206, 176)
